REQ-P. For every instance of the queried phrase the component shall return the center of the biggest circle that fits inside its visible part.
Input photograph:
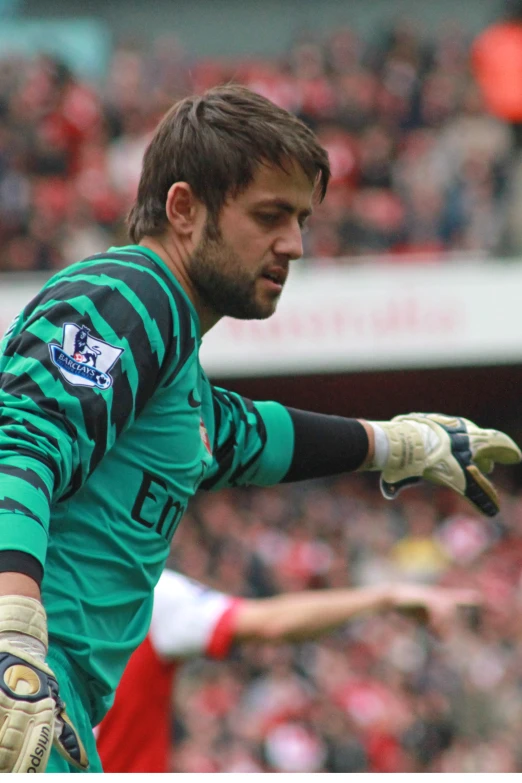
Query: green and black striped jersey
(108, 426)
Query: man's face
(240, 269)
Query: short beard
(217, 275)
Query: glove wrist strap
(381, 447)
(26, 645)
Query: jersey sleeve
(76, 368)
(253, 442)
(190, 619)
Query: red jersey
(188, 620)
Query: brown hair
(215, 142)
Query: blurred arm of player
(191, 619)
(307, 615)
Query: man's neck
(176, 259)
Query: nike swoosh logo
(192, 400)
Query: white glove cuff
(27, 645)
(381, 447)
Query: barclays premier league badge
(83, 359)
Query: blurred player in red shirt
(190, 620)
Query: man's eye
(269, 218)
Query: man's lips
(276, 274)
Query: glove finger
(390, 491)
(37, 744)
(67, 741)
(494, 445)
(25, 739)
(484, 465)
(27, 717)
(481, 492)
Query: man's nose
(290, 243)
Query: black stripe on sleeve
(224, 454)
(144, 285)
(23, 385)
(21, 563)
(6, 422)
(325, 445)
(27, 475)
(8, 504)
(50, 406)
(224, 457)
(34, 456)
(261, 434)
(74, 484)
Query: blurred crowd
(419, 166)
(384, 694)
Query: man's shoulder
(133, 271)
(116, 262)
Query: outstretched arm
(447, 450)
(307, 615)
(265, 443)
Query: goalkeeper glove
(32, 715)
(446, 450)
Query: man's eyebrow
(284, 206)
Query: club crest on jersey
(83, 359)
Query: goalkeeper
(108, 424)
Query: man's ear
(184, 211)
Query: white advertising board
(15, 292)
(377, 316)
